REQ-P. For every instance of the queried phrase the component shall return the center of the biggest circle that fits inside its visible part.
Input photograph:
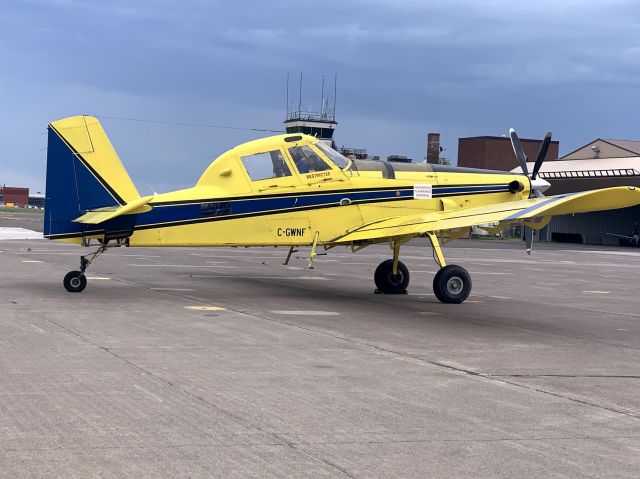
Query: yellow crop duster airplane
(293, 190)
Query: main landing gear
(451, 284)
(76, 281)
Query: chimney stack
(433, 148)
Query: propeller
(542, 153)
(538, 185)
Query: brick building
(17, 196)
(496, 153)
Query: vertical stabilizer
(84, 173)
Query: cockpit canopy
(274, 157)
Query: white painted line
(179, 266)
(205, 308)
(40, 330)
(253, 277)
(488, 272)
(499, 297)
(157, 398)
(430, 313)
(31, 261)
(616, 253)
(40, 250)
(48, 252)
(534, 269)
(216, 262)
(172, 289)
(98, 278)
(621, 329)
(597, 292)
(243, 257)
(308, 313)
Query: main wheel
(75, 281)
(387, 282)
(452, 284)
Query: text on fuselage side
(291, 231)
(318, 175)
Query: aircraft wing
(513, 211)
(100, 215)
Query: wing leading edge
(511, 212)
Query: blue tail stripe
(71, 189)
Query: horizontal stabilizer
(101, 215)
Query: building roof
(596, 167)
(632, 146)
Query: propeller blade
(542, 153)
(519, 152)
(528, 239)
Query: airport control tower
(320, 124)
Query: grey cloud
(461, 67)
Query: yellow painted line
(205, 308)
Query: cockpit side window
(307, 160)
(262, 166)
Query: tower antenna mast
(300, 93)
(287, 93)
(322, 99)
(335, 92)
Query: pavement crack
(274, 436)
(439, 364)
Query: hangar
(600, 163)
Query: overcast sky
(405, 67)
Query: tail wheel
(75, 281)
(387, 282)
(452, 284)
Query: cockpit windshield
(340, 160)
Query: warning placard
(422, 192)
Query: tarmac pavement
(224, 363)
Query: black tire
(452, 284)
(386, 282)
(75, 281)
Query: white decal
(422, 192)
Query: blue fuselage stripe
(228, 208)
